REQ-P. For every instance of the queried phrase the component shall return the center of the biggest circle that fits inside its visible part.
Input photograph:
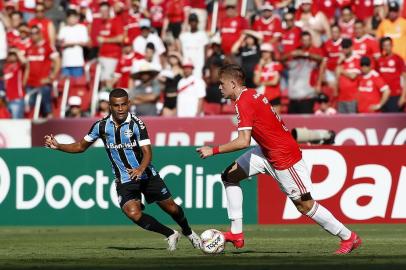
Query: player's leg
(296, 183)
(178, 215)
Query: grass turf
(267, 247)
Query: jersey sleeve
(245, 115)
(381, 85)
(93, 134)
(141, 131)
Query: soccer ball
(212, 241)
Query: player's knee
(134, 214)
(225, 176)
(304, 206)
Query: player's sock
(181, 219)
(325, 219)
(149, 223)
(234, 207)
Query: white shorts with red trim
(294, 181)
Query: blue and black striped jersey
(123, 144)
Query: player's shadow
(263, 252)
(136, 248)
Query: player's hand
(375, 107)
(205, 151)
(135, 174)
(50, 142)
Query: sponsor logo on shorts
(164, 191)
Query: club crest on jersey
(128, 133)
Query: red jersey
(327, 7)
(201, 4)
(175, 10)
(43, 24)
(366, 45)
(391, 67)
(347, 28)
(363, 9)
(13, 78)
(291, 39)
(4, 113)
(348, 88)
(157, 12)
(269, 71)
(370, 88)
(123, 69)
(12, 37)
(40, 59)
(332, 50)
(231, 29)
(111, 28)
(255, 113)
(270, 28)
(131, 24)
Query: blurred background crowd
(61, 58)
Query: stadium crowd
(305, 56)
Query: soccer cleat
(173, 240)
(237, 239)
(346, 246)
(195, 240)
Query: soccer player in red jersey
(277, 154)
(373, 92)
(392, 69)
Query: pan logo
(4, 180)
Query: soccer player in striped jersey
(277, 154)
(127, 144)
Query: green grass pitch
(267, 247)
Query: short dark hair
(234, 71)
(383, 40)
(346, 43)
(118, 93)
(71, 12)
(365, 61)
(306, 33)
(358, 21)
(150, 45)
(19, 13)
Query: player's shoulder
(137, 121)
(248, 95)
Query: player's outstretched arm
(241, 142)
(77, 147)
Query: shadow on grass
(136, 248)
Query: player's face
(387, 47)
(365, 69)
(335, 33)
(119, 108)
(358, 30)
(227, 86)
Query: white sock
(234, 207)
(325, 219)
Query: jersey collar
(245, 89)
(127, 120)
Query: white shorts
(294, 181)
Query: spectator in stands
(132, 25)
(147, 36)
(247, 48)
(176, 15)
(269, 24)
(377, 17)
(170, 77)
(324, 106)
(72, 38)
(155, 12)
(191, 92)
(145, 94)
(198, 7)
(347, 72)
(103, 110)
(231, 27)
(363, 43)
(3, 51)
(16, 18)
(4, 113)
(42, 69)
(268, 75)
(303, 81)
(328, 8)
(54, 12)
(315, 23)
(392, 69)
(332, 50)
(110, 39)
(291, 34)
(373, 91)
(214, 62)
(44, 24)
(394, 27)
(346, 22)
(193, 44)
(24, 42)
(75, 108)
(13, 74)
(123, 70)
